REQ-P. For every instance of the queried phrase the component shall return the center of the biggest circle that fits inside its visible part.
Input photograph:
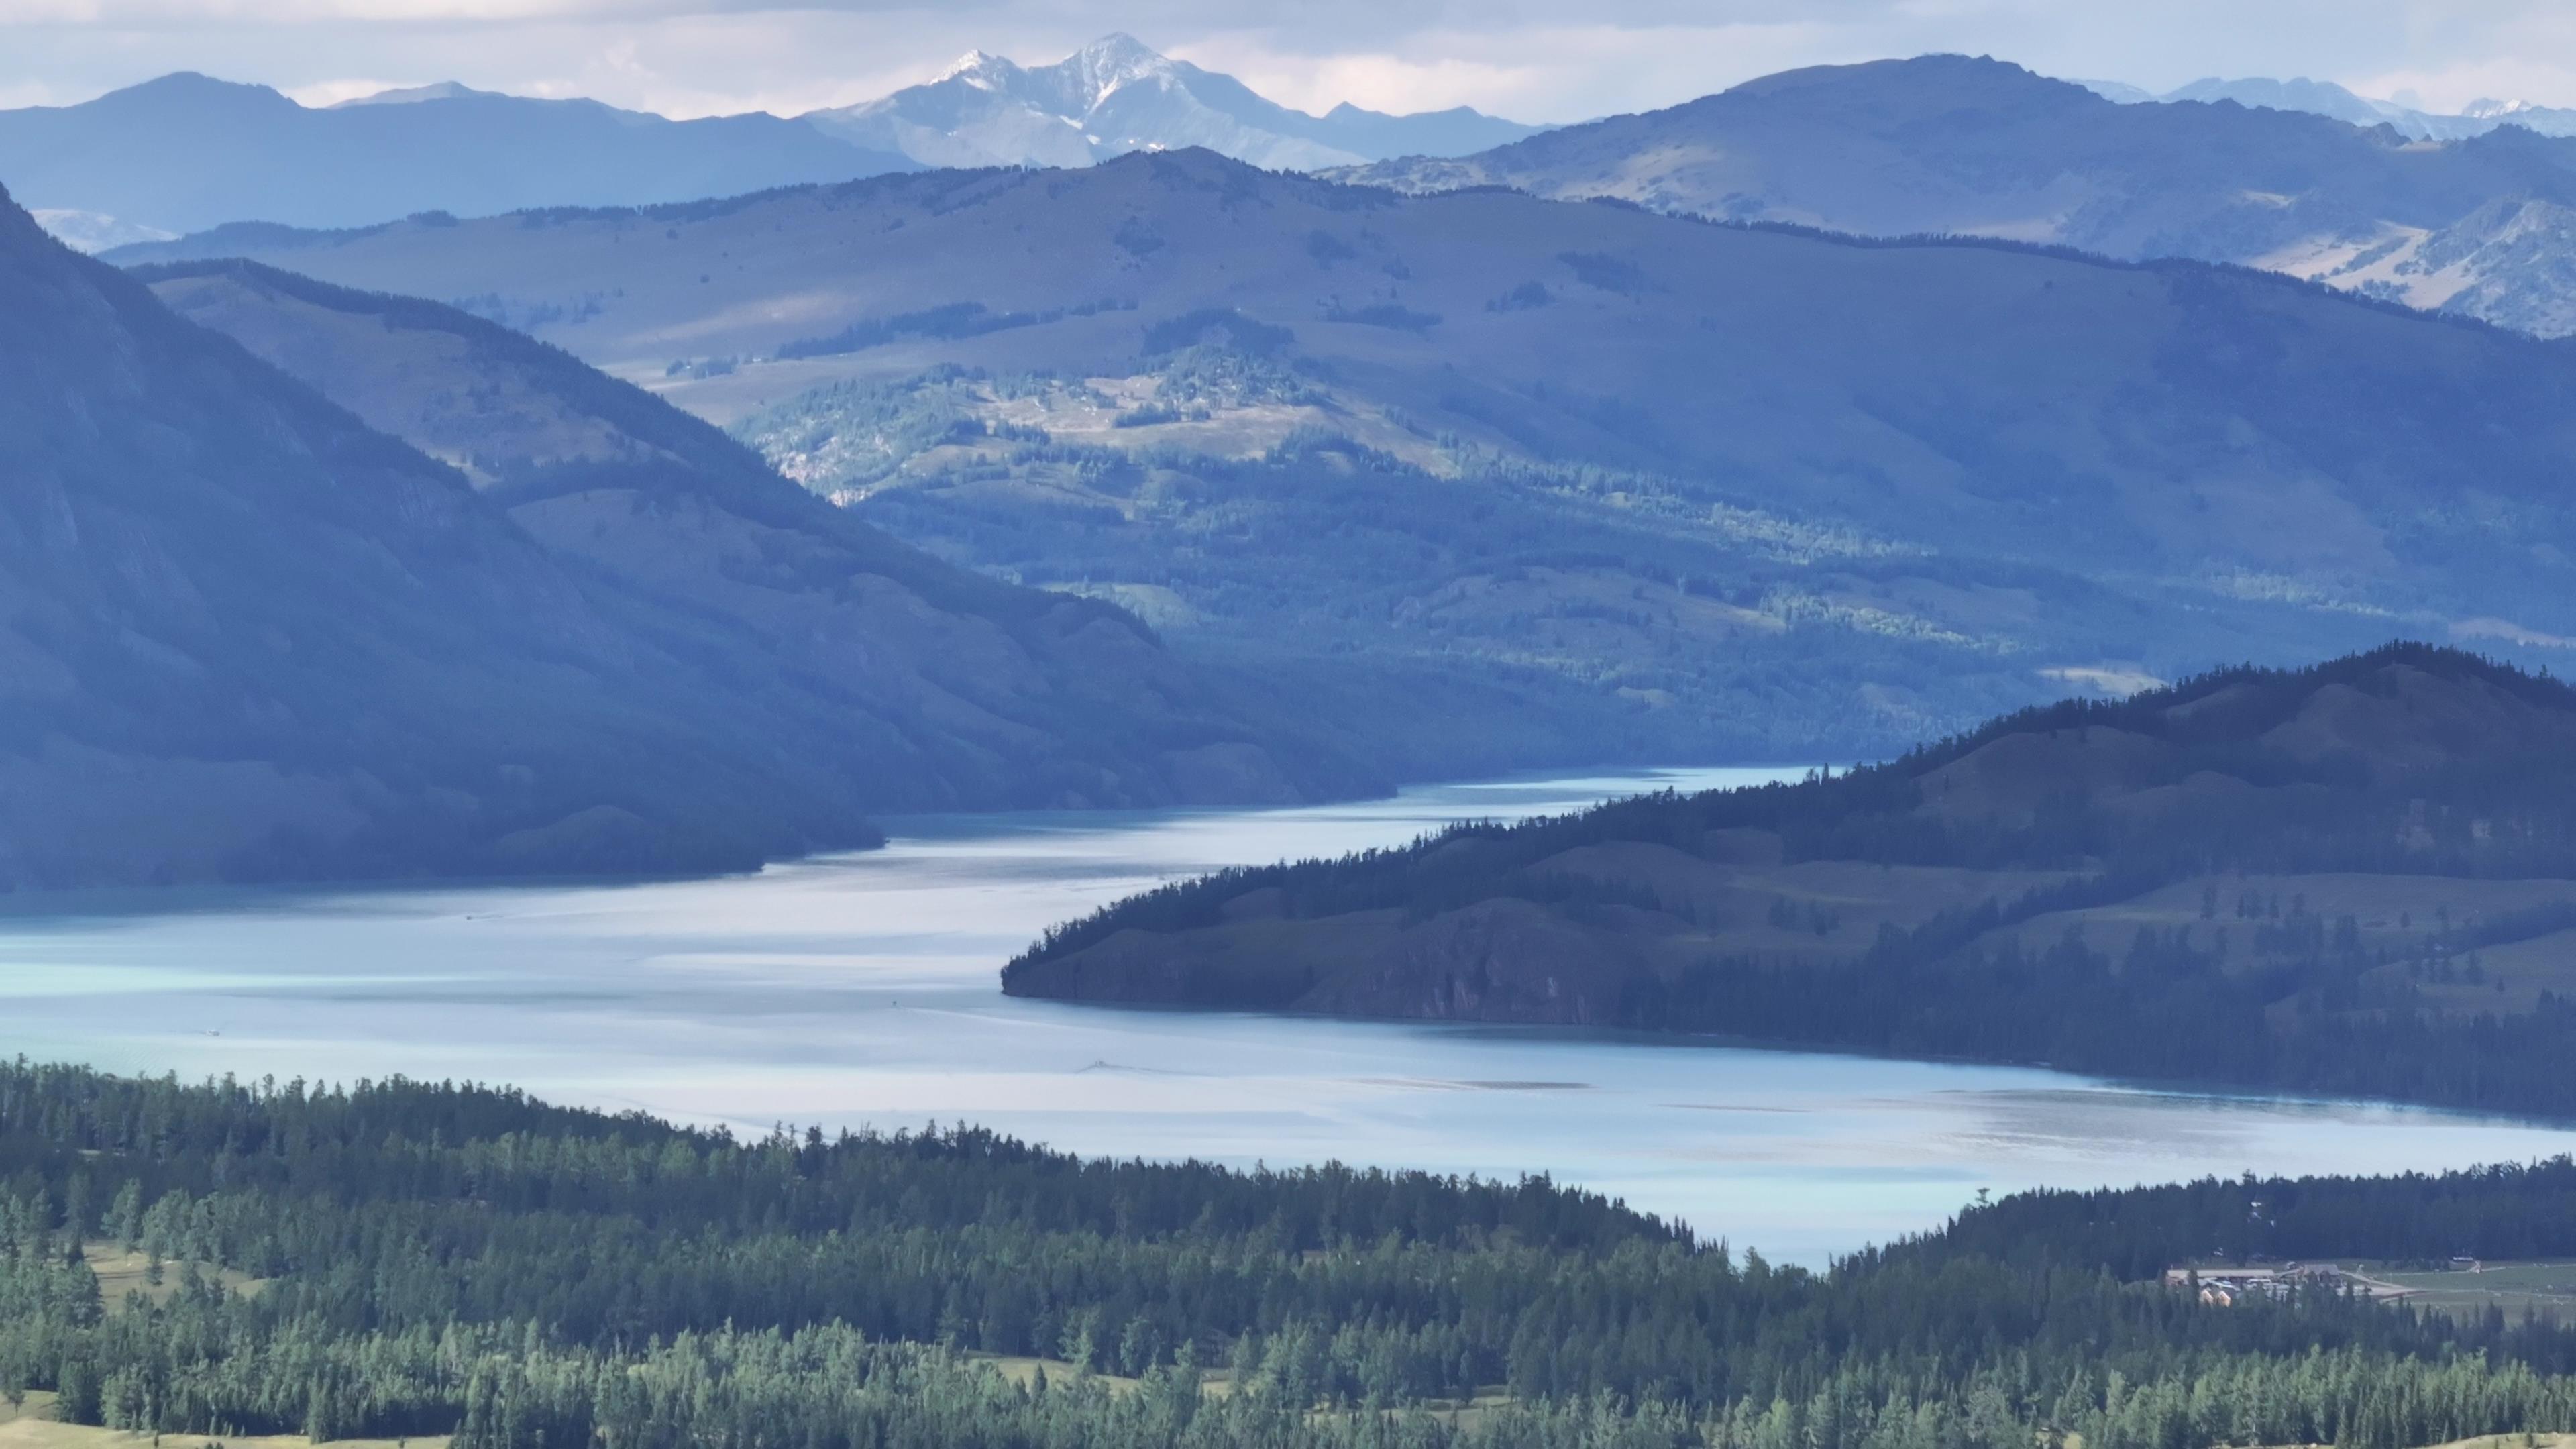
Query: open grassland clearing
(31, 1425)
(2544, 1290)
(2458, 940)
(123, 1272)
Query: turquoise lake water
(861, 989)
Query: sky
(1533, 60)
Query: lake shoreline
(859, 991)
(2178, 1088)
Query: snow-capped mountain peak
(1099, 70)
(982, 70)
(1119, 94)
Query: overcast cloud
(1521, 58)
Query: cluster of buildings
(2226, 1286)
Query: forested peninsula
(408, 1260)
(2354, 879)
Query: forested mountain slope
(1664, 480)
(2357, 878)
(249, 637)
(1947, 143)
(444, 1260)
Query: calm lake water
(861, 990)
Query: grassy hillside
(1961, 145)
(1632, 466)
(2352, 879)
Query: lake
(860, 990)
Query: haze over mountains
(2479, 226)
(185, 152)
(2325, 98)
(1655, 479)
(2462, 213)
(250, 637)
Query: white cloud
(333, 92)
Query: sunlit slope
(1954, 144)
(2224, 428)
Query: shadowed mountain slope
(958, 691)
(2098, 886)
(1953, 144)
(250, 637)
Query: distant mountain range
(185, 153)
(1948, 144)
(2325, 98)
(1482, 472)
(1115, 96)
(254, 633)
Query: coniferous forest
(402, 1259)
(2077, 839)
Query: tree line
(441, 1259)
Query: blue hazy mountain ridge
(1117, 95)
(1952, 144)
(251, 638)
(1744, 486)
(2325, 98)
(2322, 98)
(186, 152)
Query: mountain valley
(608, 718)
